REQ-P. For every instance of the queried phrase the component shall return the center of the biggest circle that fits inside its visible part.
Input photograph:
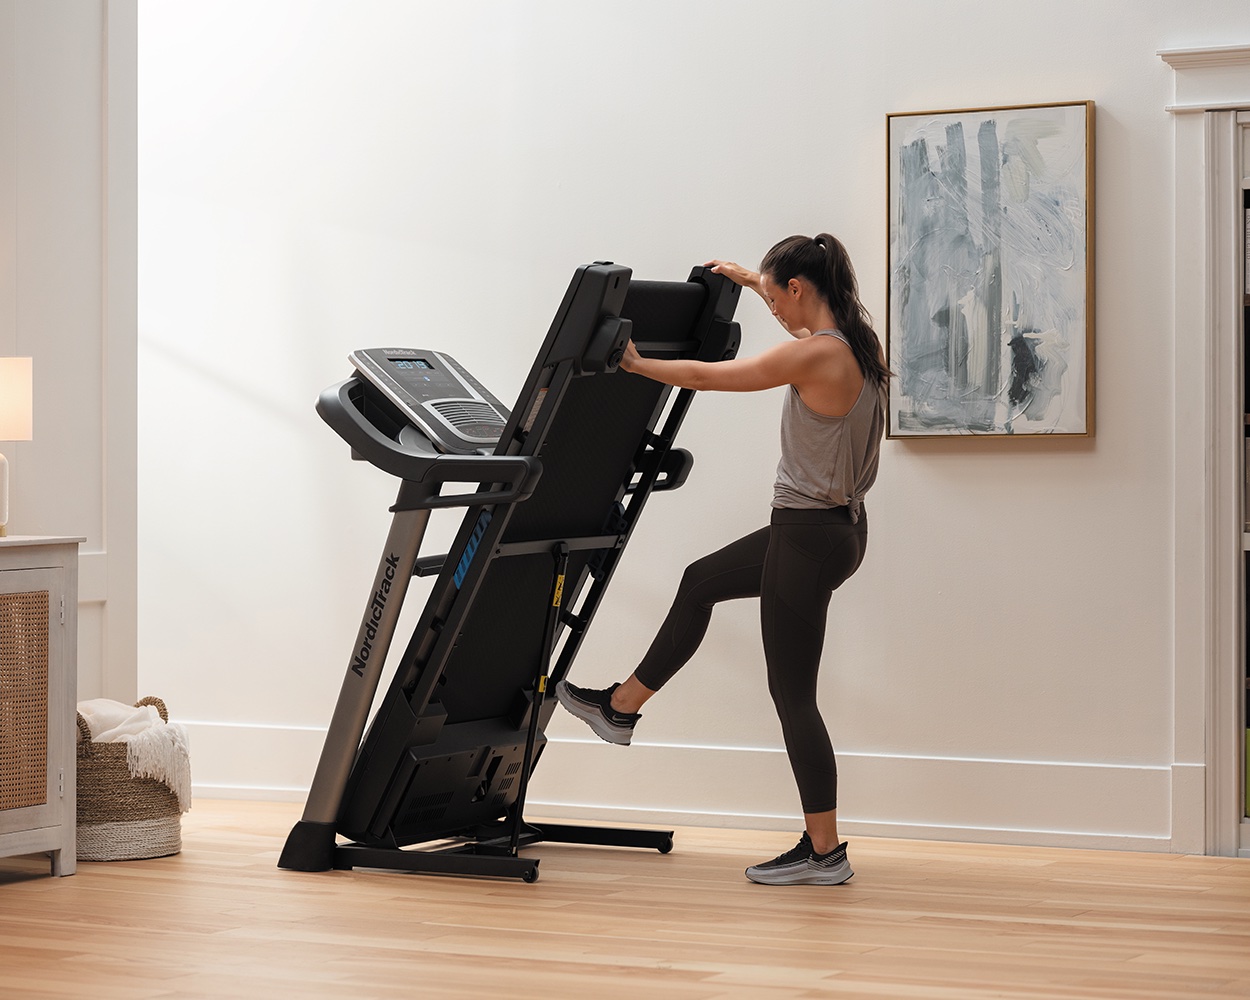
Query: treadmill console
(437, 395)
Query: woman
(831, 430)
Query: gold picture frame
(990, 291)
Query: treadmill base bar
(492, 858)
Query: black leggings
(792, 566)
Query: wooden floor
(918, 920)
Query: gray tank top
(830, 461)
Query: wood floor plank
(919, 920)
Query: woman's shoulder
(833, 381)
(833, 346)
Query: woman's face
(782, 300)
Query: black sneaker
(803, 866)
(595, 709)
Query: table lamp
(16, 419)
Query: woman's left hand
(736, 273)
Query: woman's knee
(691, 579)
(709, 581)
(794, 696)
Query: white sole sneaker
(594, 708)
(801, 865)
(807, 872)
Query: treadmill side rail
(312, 848)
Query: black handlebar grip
(415, 459)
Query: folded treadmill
(552, 491)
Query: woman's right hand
(631, 357)
(736, 273)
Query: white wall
(68, 300)
(321, 177)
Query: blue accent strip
(470, 550)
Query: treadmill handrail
(512, 477)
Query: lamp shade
(16, 399)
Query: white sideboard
(38, 697)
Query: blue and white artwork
(990, 271)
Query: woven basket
(122, 818)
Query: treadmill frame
(348, 795)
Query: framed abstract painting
(991, 279)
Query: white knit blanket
(154, 748)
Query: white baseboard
(852, 827)
(1041, 803)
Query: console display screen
(407, 364)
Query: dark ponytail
(823, 261)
